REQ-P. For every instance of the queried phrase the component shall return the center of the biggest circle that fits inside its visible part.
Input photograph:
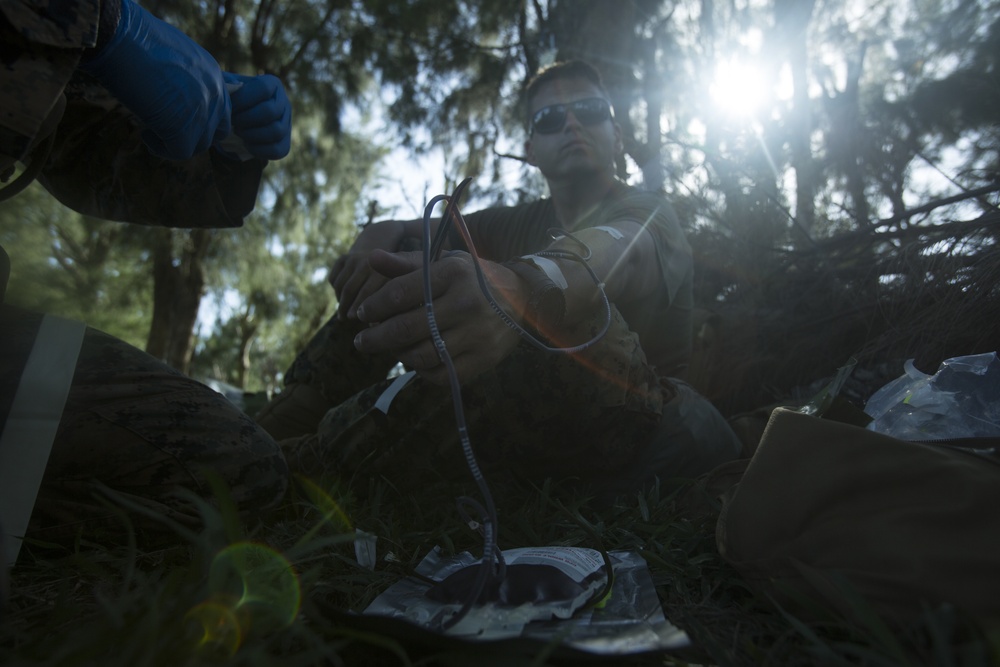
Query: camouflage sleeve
(99, 166)
(658, 216)
(41, 42)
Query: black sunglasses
(551, 119)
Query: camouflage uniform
(604, 418)
(130, 423)
(142, 429)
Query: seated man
(607, 416)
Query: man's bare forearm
(622, 255)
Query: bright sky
(409, 182)
(404, 181)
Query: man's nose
(571, 118)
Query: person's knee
(294, 412)
(259, 481)
(163, 442)
(691, 439)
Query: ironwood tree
(867, 128)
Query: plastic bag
(630, 620)
(961, 400)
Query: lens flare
(221, 633)
(251, 587)
(261, 584)
(332, 512)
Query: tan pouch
(828, 510)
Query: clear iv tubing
(430, 253)
(486, 565)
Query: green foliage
(263, 282)
(268, 278)
(861, 116)
(75, 266)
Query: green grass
(193, 603)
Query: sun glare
(738, 89)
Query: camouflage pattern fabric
(143, 430)
(591, 418)
(42, 44)
(120, 180)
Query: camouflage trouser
(601, 417)
(141, 429)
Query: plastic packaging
(629, 621)
(961, 400)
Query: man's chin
(582, 169)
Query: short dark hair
(567, 69)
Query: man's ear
(529, 153)
(619, 144)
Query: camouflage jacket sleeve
(99, 166)
(41, 42)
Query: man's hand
(352, 277)
(475, 337)
(262, 114)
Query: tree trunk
(653, 175)
(792, 19)
(855, 167)
(247, 331)
(178, 286)
(603, 32)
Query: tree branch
(938, 203)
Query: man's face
(578, 147)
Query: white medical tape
(550, 268)
(396, 386)
(33, 421)
(615, 233)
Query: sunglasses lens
(591, 111)
(551, 119)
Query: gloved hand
(262, 114)
(173, 85)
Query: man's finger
(396, 333)
(395, 264)
(371, 284)
(403, 291)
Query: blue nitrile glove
(171, 84)
(262, 115)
